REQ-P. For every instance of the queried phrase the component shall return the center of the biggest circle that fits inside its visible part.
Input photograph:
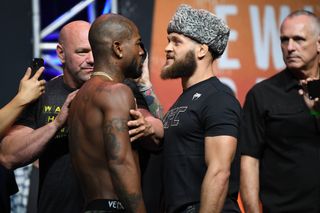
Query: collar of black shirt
(290, 82)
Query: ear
(117, 49)
(60, 53)
(202, 50)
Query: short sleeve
(252, 127)
(27, 117)
(221, 115)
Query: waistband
(106, 205)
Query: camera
(314, 89)
(36, 63)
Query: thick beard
(181, 68)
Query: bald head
(74, 52)
(72, 30)
(314, 20)
(107, 29)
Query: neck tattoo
(102, 74)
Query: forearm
(21, 147)
(152, 100)
(9, 113)
(213, 191)
(249, 184)
(126, 181)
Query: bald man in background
(41, 131)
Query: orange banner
(253, 52)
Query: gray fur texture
(201, 26)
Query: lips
(169, 57)
(88, 70)
(292, 57)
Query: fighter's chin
(169, 62)
(134, 74)
(166, 74)
(293, 65)
(166, 67)
(138, 74)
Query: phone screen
(314, 89)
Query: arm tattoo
(152, 101)
(111, 143)
(131, 201)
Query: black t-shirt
(8, 187)
(208, 108)
(279, 130)
(58, 188)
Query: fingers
(137, 130)
(42, 82)
(70, 98)
(38, 73)
(133, 138)
(138, 125)
(42, 88)
(27, 74)
(135, 123)
(135, 114)
(73, 94)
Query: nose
(168, 47)
(291, 45)
(90, 58)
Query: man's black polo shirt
(279, 130)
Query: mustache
(292, 56)
(169, 56)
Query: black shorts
(104, 206)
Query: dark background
(16, 51)
(16, 34)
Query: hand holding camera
(311, 93)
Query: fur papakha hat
(201, 26)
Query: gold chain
(102, 74)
